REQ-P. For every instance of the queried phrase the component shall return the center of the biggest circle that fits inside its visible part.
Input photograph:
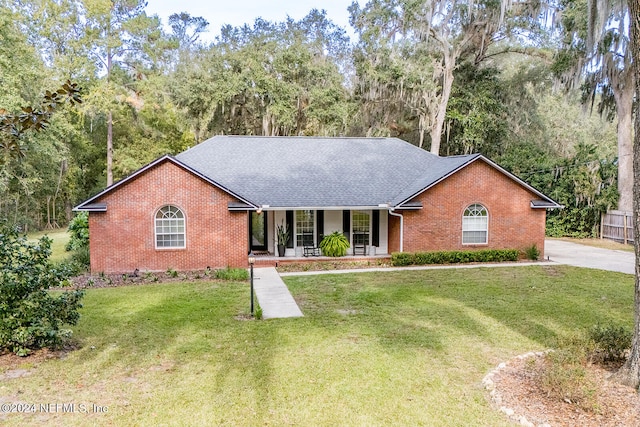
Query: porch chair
(310, 249)
(360, 241)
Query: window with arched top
(475, 225)
(170, 228)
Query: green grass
(396, 348)
(60, 238)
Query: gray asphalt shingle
(317, 171)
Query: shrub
(610, 342)
(334, 244)
(238, 274)
(79, 231)
(532, 253)
(81, 257)
(79, 241)
(400, 259)
(71, 267)
(564, 378)
(30, 316)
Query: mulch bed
(517, 385)
(138, 278)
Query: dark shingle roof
(319, 172)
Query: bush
(532, 253)
(79, 241)
(30, 316)
(238, 274)
(79, 231)
(81, 257)
(400, 259)
(564, 378)
(610, 342)
(334, 244)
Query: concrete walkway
(273, 295)
(588, 256)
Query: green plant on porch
(282, 234)
(334, 244)
(282, 231)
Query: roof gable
(91, 205)
(459, 163)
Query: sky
(239, 12)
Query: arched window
(475, 225)
(170, 230)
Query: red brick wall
(123, 239)
(394, 234)
(438, 225)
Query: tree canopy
(452, 76)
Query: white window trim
(295, 226)
(486, 230)
(370, 213)
(155, 230)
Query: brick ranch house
(214, 203)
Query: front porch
(365, 229)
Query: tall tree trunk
(624, 107)
(447, 83)
(109, 148)
(48, 226)
(630, 372)
(109, 123)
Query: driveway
(587, 256)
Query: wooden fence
(618, 226)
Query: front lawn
(394, 348)
(59, 237)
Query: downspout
(401, 226)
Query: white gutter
(401, 227)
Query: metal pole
(252, 289)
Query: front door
(258, 231)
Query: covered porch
(366, 229)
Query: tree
(30, 316)
(419, 44)
(597, 46)
(14, 126)
(120, 33)
(56, 29)
(27, 181)
(269, 79)
(477, 113)
(630, 372)
(187, 29)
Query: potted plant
(334, 244)
(282, 233)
